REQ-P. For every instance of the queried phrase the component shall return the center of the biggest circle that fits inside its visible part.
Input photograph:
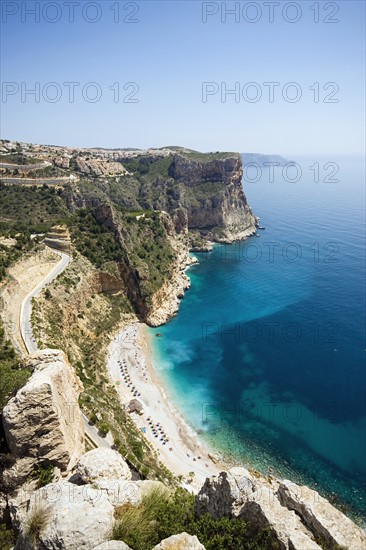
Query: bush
(7, 537)
(162, 514)
(44, 474)
(11, 376)
(36, 522)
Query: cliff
(43, 423)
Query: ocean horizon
(265, 358)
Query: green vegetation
(7, 537)
(12, 377)
(44, 473)
(10, 254)
(47, 172)
(150, 250)
(32, 209)
(93, 240)
(148, 165)
(162, 514)
(208, 157)
(36, 522)
(19, 158)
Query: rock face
(180, 542)
(294, 515)
(43, 422)
(213, 196)
(112, 545)
(264, 511)
(97, 167)
(75, 517)
(321, 517)
(225, 494)
(165, 302)
(102, 465)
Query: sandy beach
(130, 366)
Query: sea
(266, 356)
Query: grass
(36, 522)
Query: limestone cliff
(213, 196)
(297, 517)
(43, 423)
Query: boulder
(264, 511)
(112, 545)
(180, 542)
(72, 517)
(323, 519)
(102, 465)
(43, 422)
(225, 494)
(122, 492)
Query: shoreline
(130, 365)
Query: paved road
(24, 167)
(26, 308)
(31, 343)
(36, 181)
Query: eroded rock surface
(43, 422)
(102, 465)
(225, 494)
(321, 517)
(74, 517)
(180, 542)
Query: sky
(150, 73)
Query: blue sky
(169, 54)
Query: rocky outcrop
(295, 516)
(263, 510)
(112, 545)
(62, 162)
(180, 542)
(320, 517)
(73, 517)
(213, 196)
(192, 172)
(101, 465)
(106, 282)
(43, 422)
(165, 302)
(97, 167)
(225, 494)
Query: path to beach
(132, 372)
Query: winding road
(26, 307)
(30, 342)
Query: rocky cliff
(297, 518)
(43, 424)
(213, 196)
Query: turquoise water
(266, 357)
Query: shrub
(162, 514)
(44, 474)
(36, 522)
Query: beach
(131, 369)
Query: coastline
(130, 365)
